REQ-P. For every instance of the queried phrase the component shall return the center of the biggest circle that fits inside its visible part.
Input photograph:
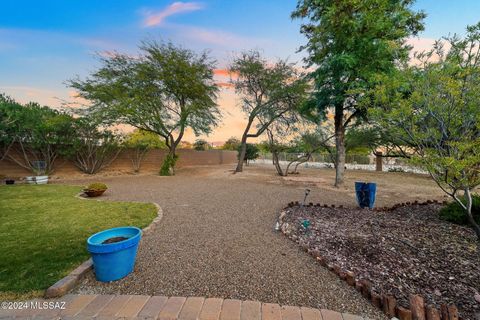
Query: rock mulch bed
(405, 259)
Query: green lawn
(43, 233)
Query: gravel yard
(403, 252)
(216, 238)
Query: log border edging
(387, 303)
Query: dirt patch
(402, 252)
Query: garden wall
(123, 163)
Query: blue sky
(43, 43)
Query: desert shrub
(251, 153)
(201, 145)
(141, 142)
(231, 144)
(97, 186)
(94, 148)
(456, 214)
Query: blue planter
(116, 260)
(365, 193)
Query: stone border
(385, 302)
(64, 285)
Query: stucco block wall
(123, 162)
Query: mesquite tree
(165, 90)
(349, 43)
(434, 107)
(267, 93)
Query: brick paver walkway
(159, 307)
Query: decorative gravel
(406, 251)
(216, 239)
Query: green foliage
(44, 229)
(350, 43)
(231, 144)
(141, 142)
(9, 115)
(201, 145)
(94, 148)
(34, 134)
(453, 212)
(269, 93)
(144, 140)
(97, 186)
(168, 165)
(251, 153)
(433, 106)
(165, 89)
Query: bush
(201, 145)
(454, 213)
(251, 153)
(97, 186)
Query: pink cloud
(156, 18)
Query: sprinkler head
(306, 223)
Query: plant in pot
(95, 189)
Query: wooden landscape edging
(417, 310)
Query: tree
(231, 144)
(350, 42)
(309, 143)
(251, 152)
(280, 131)
(94, 148)
(141, 142)
(8, 118)
(434, 107)
(201, 145)
(34, 136)
(268, 92)
(164, 90)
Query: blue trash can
(365, 192)
(113, 261)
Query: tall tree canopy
(349, 43)
(434, 107)
(165, 90)
(268, 93)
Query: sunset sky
(44, 43)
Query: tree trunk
(168, 164)
(243, 148)
(276, 163)
(340, 148)
(471, 220)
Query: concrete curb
(64, 285)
